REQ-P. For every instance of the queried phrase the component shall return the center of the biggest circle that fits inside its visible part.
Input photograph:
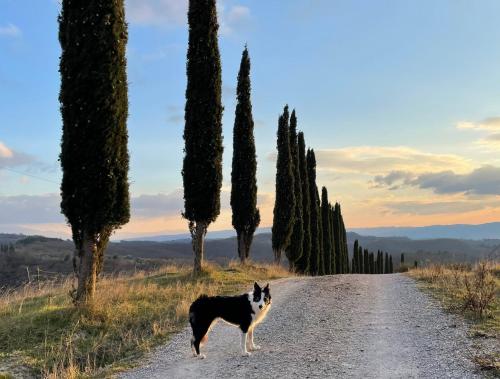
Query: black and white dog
(244, 311)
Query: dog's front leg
(250, 339)
(244, 351)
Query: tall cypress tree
(386, 267)
(303, 262)
(314, 260)
(327, 238)
(355, 263)
(361, 260)
(337, 239)
(94, 108)
(246, 216)
(344, 245)
(366, 257)
(402, 259)
(202, 165)
(372, 263)
(284, 206)
(321, 265)
(391, 267)
(333, 258)
(295, 249)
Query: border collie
(244, 311)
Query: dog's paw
(255, 347)
(202, 356)
(246, 354)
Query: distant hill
(49, 258)
(217, 234)
(459, 231)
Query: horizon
(406, 126)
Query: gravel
(342, 326)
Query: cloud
(235, 17)
(11, 158)
(5, 152)
(158, 204)
(10, 30)
(489, 127)
(173, 13)
(392, 178)
(480, 181)
(423, 208)
(375, 160)
(23, 209)
(490, 124)
(157, 12)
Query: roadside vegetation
(41, 330)
(473, 291)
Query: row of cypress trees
(364, 262)
(306, 227)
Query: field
(473, 291)
(42, 332)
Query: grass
(473, 291)
(130, 315)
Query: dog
(244, 311)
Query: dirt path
(359, 326)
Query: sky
(400, 100)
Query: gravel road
(342, 326)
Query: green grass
(47, 334)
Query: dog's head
(261, 296)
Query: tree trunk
(242, 248)
(291, 266)
(198, 236)
(87, 271)
(277, 256)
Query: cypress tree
(391, 268)
(337, 239)
(321, 266)
(346, 248)
(361, 261)
(295, 249)
(327, 238)
(402, 259)
(314, 260)
(94, 108)
(372, 263)
(284, 206)
(343, 243)
(333, 258)
(386, 268)
(355, 263)
(366, 262)
(303, 262)
(246, 216)
(202, 165)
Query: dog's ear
(256, 287)
(266, 288)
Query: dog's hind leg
(244, 350)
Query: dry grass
(129, 316)
(472, 290)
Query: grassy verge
(42, 331)
(473, 291)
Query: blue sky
(400, 99)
